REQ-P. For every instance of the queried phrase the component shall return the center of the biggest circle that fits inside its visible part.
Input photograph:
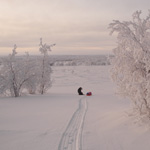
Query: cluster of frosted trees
(131, 64)
(20, 75)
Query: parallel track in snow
(72, 136)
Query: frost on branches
(45, 68)
(131, 63)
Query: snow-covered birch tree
(45, 68)
(131, 62)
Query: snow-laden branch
(44, 48)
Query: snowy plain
(63, 120)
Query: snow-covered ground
(62, 120)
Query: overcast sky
(76, 26)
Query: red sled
(89, 94)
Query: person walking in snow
(80, 91)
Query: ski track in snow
(72, 136)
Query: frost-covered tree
(45, 68)
(15, 73)
(131, 62)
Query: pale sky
(76, 26)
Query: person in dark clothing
(80, 91)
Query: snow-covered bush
(15, 73)
(45, 68)
(32, 69)
(131, 64)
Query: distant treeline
(76, 60)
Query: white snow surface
(63, 120)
